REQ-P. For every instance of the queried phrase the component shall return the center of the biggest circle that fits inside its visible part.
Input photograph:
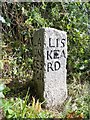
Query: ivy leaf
(2, 95)
(2, 19)
(2, 86)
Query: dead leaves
(74, 115)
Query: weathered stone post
(50, 56)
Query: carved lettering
(56, 54)
(63, 54)
(49, 66)
(53, 66)
(57, 43)
(50, 43)
(57, 65)
(63, 42)
(49, 55)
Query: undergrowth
(76, 105)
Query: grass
(76, 105)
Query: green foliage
(2, 86)
(72, 18)
(18, 108)
(78, 100)
(19, 20)
(22, 108)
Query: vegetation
(19, 21)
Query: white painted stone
(50, 56)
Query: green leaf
(10, 111)
(2, 19)
(1, 103)
(2, 87)
(1, 64)
(2, 95)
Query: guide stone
(49, 69)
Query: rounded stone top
(51, 29)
